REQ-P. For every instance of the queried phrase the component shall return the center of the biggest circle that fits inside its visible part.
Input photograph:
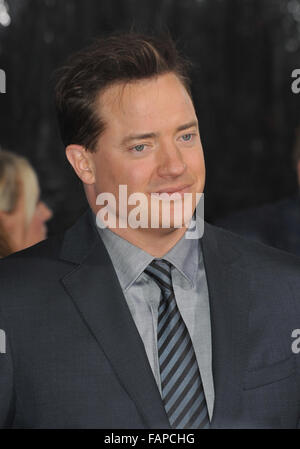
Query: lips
(177, 189)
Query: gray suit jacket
(74, 358)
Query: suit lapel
(229, 293)
(96, 292)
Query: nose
(171, 163)
(45, 212)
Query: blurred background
(244, 52)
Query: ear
(82, 163)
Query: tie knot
(160, 271)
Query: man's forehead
(146, 99)
(146, 106)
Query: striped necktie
(181, 385)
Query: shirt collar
(130, 261)
(185, 257)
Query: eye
(138, 148)
(187, 137)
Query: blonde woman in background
(22, 214)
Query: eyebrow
(131, 137)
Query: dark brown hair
(118, 58)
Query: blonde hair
(16, 176)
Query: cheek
(35, 232)
(195, 161)
(196, 165)
(36, 225)
(113, 171)
(139, 175)
(108, 171)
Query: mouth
(178, 189)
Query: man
(140, 327)
(275, 224)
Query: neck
(156, 242)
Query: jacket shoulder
(253, 254)
(48, 248)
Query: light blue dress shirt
(143, 295)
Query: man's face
(151, 142)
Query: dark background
(244, 52)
